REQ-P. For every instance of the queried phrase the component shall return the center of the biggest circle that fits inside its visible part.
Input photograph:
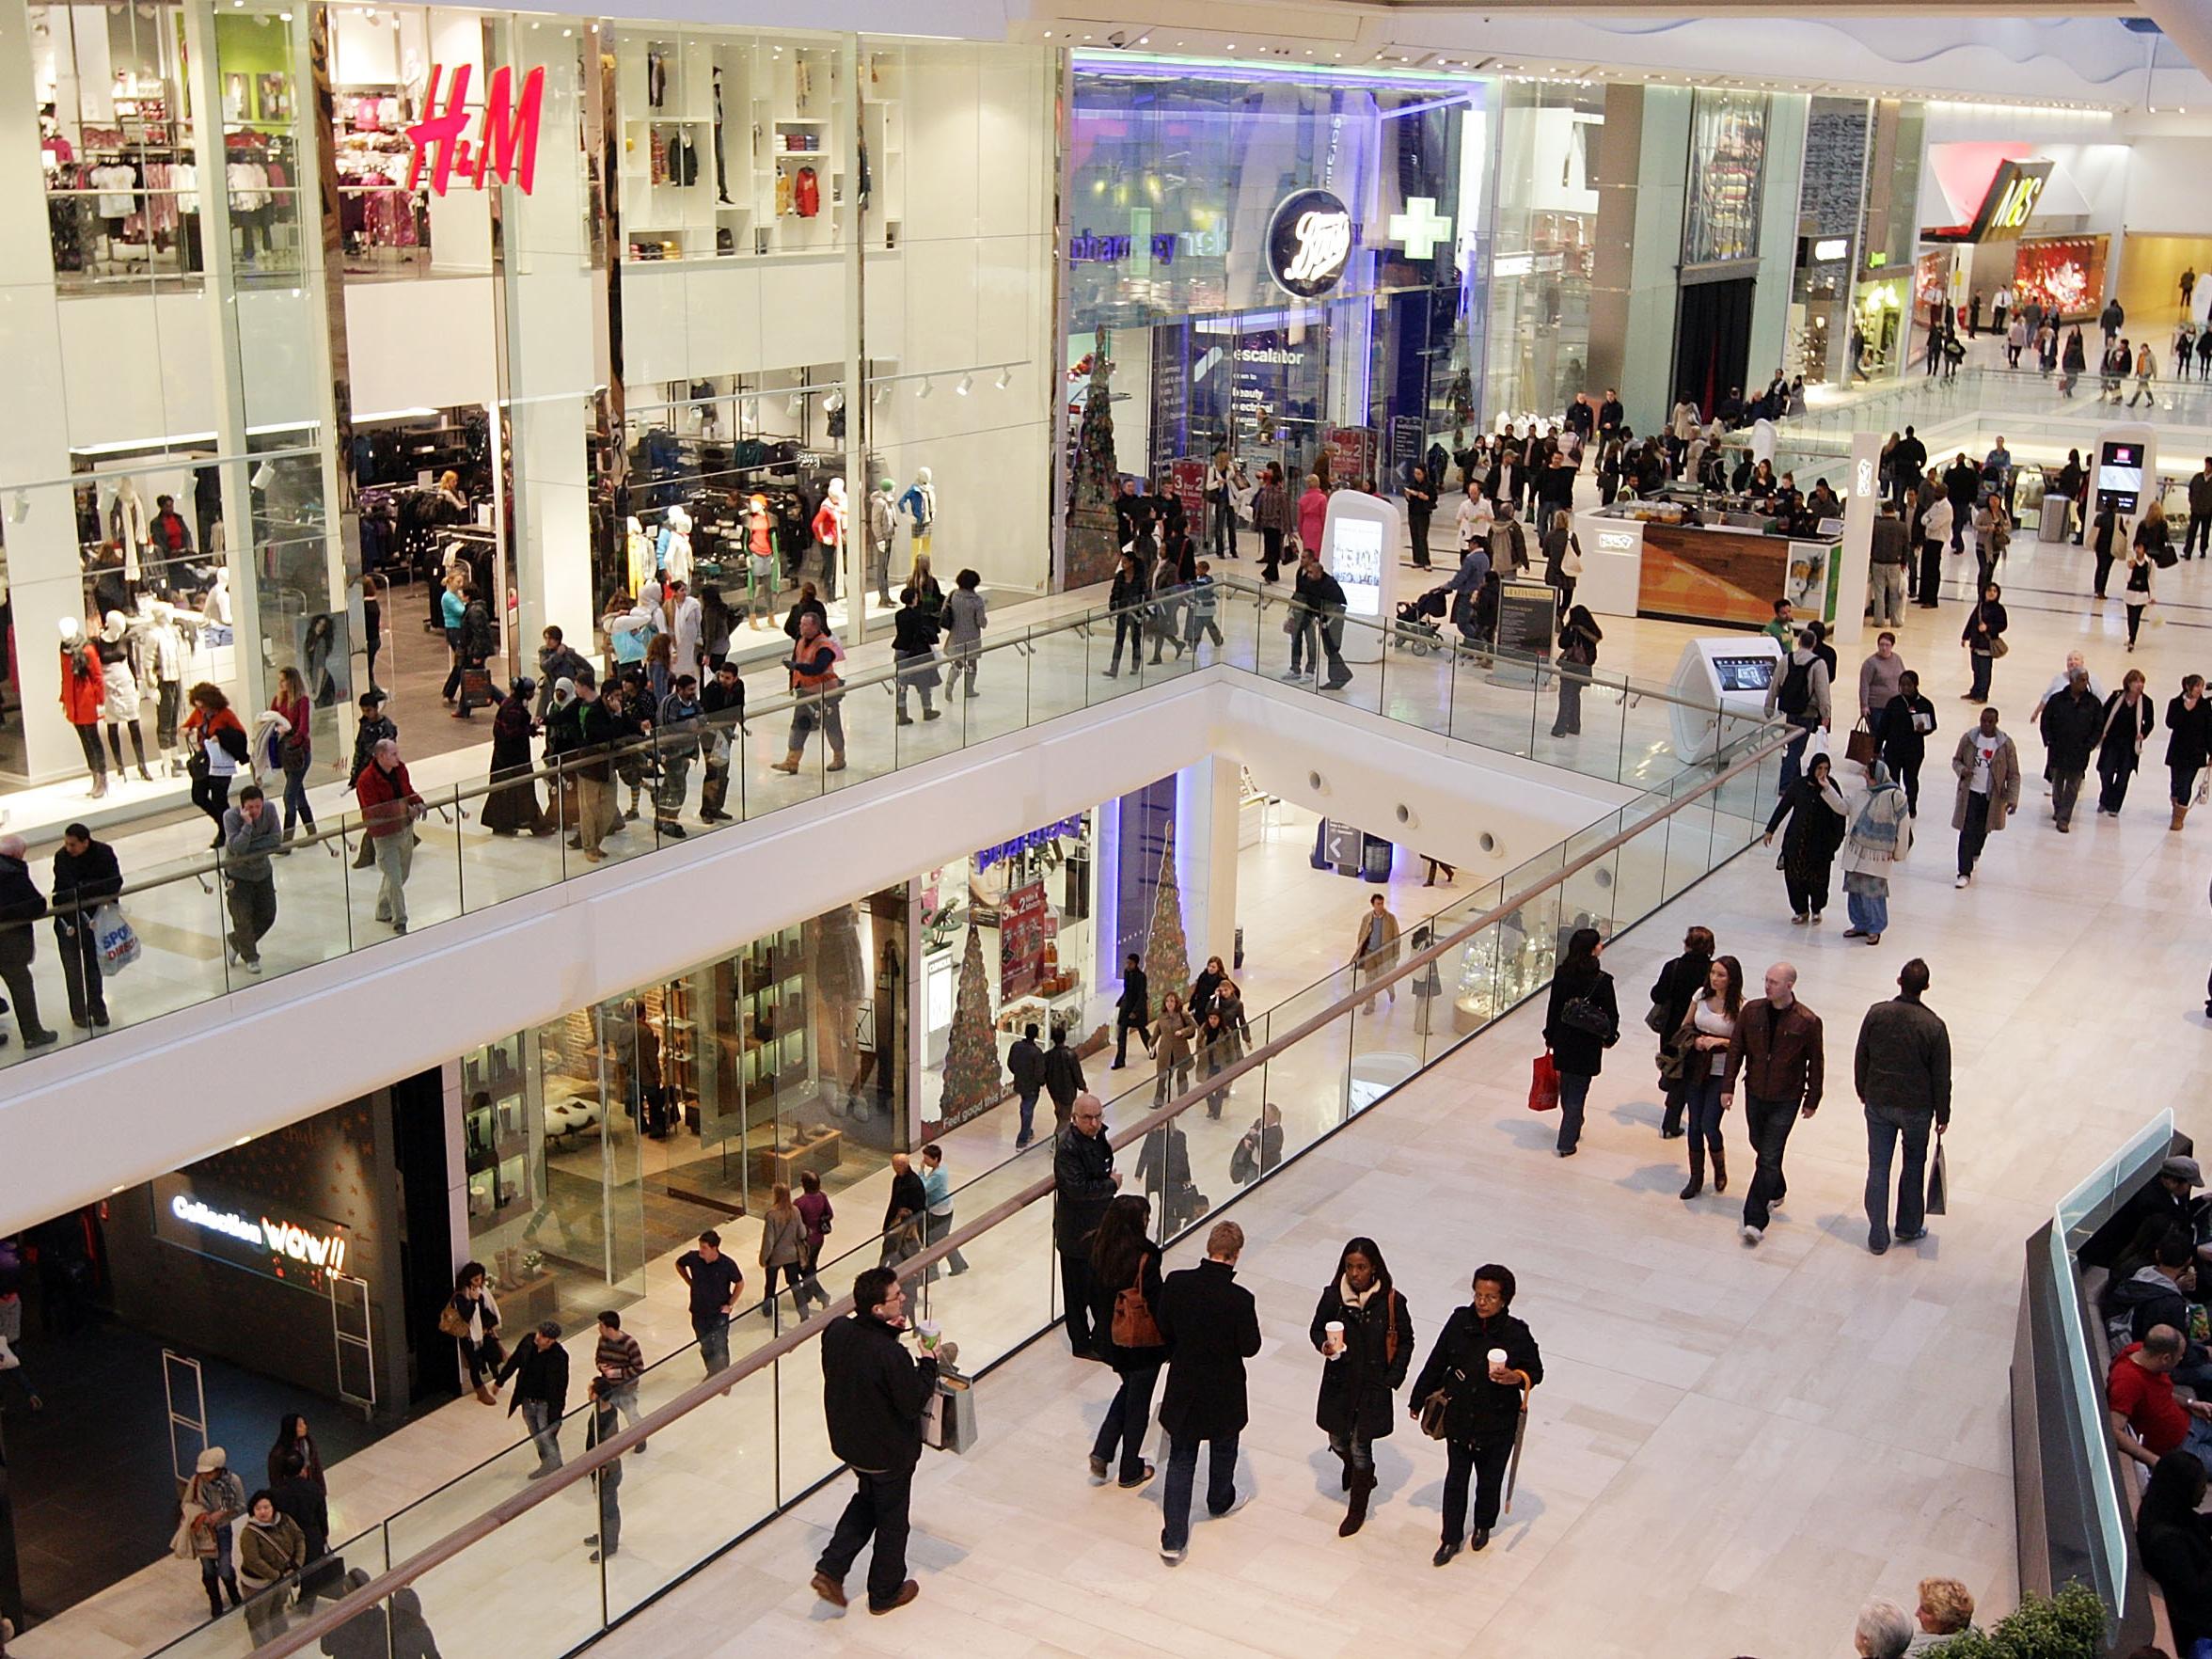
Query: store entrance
(1713, 340)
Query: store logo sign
(1309, 242)
(1620, 541)
(1863, 479)
(505, 148)
(2018, 203)
(1421, 229)
(319, 1250)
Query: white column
(1861, 501)
(1226, 791)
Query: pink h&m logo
(507, 149)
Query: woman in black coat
(2128, 728)
(1124, 1260)
(2177, 1547)
(2189, 716)
(1363, 1361)
(1814, 807)
(1482, 1402)
(1902, 730)
(511, 808)
(1680, 981)
(1581, 1023)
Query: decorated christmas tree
(1167, 952)
(972, 1057)
(1093, 545)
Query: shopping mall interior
(775, 567)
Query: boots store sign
(244, 1235)
(1309, 242)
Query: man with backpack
(1801, 694)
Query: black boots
(1363, 1482)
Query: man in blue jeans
(1211, 1326)
(1901, 1069)
(1779, 1051)
(715, 1282)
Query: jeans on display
(80, 966)
(395, 857)
(1128, 1415)
(2065, 790)
(1182, 1472)
(1574, 1095)
(544, 1431)
(1769, 1123)
(1487, 1462)
(169, 703)
(1869, 913)
(253, 912)
(1705, 1118)
(1974, 834)
(878, 1510)
(713, 1331)
(1886, 1126)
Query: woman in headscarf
(1817, 817)
(512, 805)
(1880, 836)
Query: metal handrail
(301, 1636)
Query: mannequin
(760, 548)
(828, 529)
(164, 660)
(641, 555)
(83, 692)
(675, 547)
(882, 526)
(127, 521)
(920, 504)
(216, 608)
(121, 683)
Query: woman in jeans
(1980, 638)
(1363, 1363)
(1581, 1023)
(477, 1311)
(1704, 1033)
(782, 1251)
(814, 1212)
(1578, 655)
(294, 748)
(1124, 1260)
(217, 744)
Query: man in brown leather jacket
(1779, 1051)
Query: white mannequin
(131, 522)
(164, 661)
(217, 607)
(675, 547)
(122, 693)
(920, 504)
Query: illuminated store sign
(1084, 248)
(1309, 242)
(505, 148)
(285, 1239)
(2014, 190)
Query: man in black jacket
(873, 1392)
(902, 1213)
(1906, 463)
(1084, 1183)
(1962, 483)
(1133, 1012)
(1901, 1070)
(721, 704)
(20, 904)
(1063, 1078)
(86, 875)
(1324, 603)
(540, 1368)
(1025, 1064)
(2073, 725)
(1672, 992)
(1211, 1327)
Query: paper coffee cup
(1497, 1356)
(1334, 1331)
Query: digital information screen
(1356, 559)
(1743, 674)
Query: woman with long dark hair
(292, 1436)
(474, 1323)
(1578, 655)
(1364, 1333)
(511, 808)
(1125, 1291)
(1581, 1023)
(1702, 1039)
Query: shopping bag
(1544, 1085)
(1937, 1182)
(117, 942)
(948, 1417)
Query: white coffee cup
(1334, 1331)
(1498, 1357)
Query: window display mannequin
(216, 608)
(83, 692)
(127, 521)
(761, 570)
(919, 502)
(163, 658)
(882, 526)
(675, 547)
(828, 529)
(721, 173)
(120, 686)
(642, 556)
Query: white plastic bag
(115, 938)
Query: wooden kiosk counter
(1697, 564)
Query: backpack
(1134, 1325)
(1795, 696)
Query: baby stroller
(1414, 631)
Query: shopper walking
(1879, 838)
(873, 1395)
(2127, 725)
(292, 718)
(215, 748)
(2146, 372)
(1679, 982)
(913, 649)
(813, 667)
(1211, 1327)
(2189, 750)
(1171, 1056)
(86, 876)
(1579, 639)
(816, 1216)
(602, 1424)
(1063, 1076)
(1936, 524)
(1363, 1332)
(389, 808)
(1901, 734)
(1778, 1050)
(782, 1247)
(1272, 518)
(2136, 591)
(214, 1498)
(1483, 1364)
(271, 1551)
(714, 1283)
(1126, 598)
(1581, 1022)
(1901, 1070)
(1374, 951)
(966, 610)
(251, 833)
(1131, 1011)
(1025, 1066)
(1125, 1297)
(936, 1209)
(1803, 695)
(1420, 500)
(2072, 727)
(471, 1317)
(1083, 1184)
(1318, 607)
(1886, 569)
(1987, 766)
(1983, 639)
(2200, 512)
(1815, 811)
(539, 1366)
(1702, 1036)
(618, 1364)
(21, 905)
(512, 807)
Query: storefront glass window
(1545, 183)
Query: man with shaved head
(1777, 1051)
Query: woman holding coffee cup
(1484, 1364)
(1365, 1336)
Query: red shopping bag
(1543, 1086)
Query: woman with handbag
(1901, 733)
(1983, 639)
(1125, 1290)
(2137, 594)
(1582, 1022)
(471, 1318)
(294, 748)
(2128, 721)
(216, 746)
(1702, 1040)
(1562, 556)
(1814, 807)
(1578, 655)
(1678, 982)
(1879, 838)
(1364, 1333)
(1474, 1403)
(271, 1549)
(1171, 1055)
(815, 1211)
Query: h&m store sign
(505, 146)
(298, 1250)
